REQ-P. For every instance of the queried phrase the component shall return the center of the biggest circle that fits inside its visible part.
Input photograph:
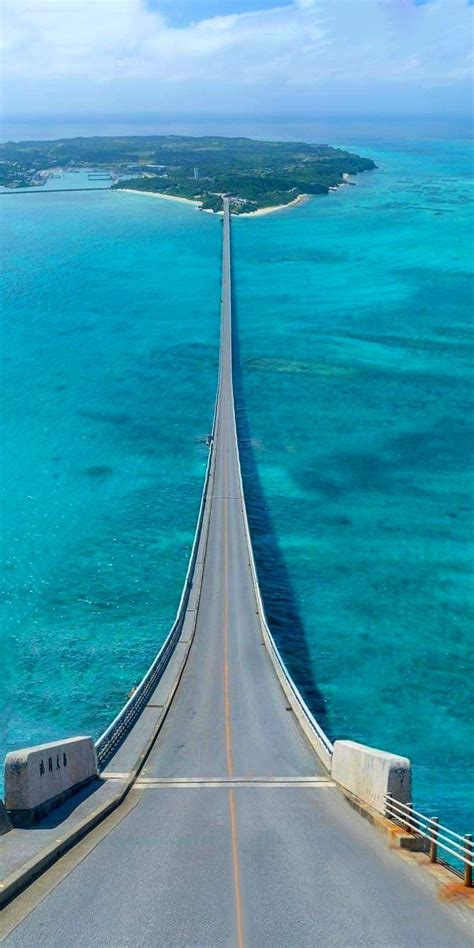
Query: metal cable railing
(323, 739)
(459, 848)
(110, 740)
(325, 747)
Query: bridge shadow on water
(281, 606)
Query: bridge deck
(238, 836)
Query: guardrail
(110, 740)
(325, 747)
(439, 837)
(322, 737)
(125, 719)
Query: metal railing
(110, 740)
(440, 838)
(325, 747)
(116, 732)
(325, 744)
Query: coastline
(260, 212)
(301, 199)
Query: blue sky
(182, 12)
(252, 57)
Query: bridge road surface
(232, 855)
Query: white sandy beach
(277, 207)
(259, 213)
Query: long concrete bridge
(233, 832)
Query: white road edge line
(163, 784)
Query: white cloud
(307, 43)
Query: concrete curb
(415, 849)
(290, 690)
(316, 737)
(23, 877)
(5, 821)
(19, 880)
(294, 700)
(399, 838)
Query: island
(253, 174)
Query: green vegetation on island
(253, 174)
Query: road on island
(238, 837)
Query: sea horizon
(357, 127)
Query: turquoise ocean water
(354, 319)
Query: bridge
(228, 827)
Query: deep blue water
(355, 335)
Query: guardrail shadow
(280, 602)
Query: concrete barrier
(39, 778)
(370, 774)
(5, 822)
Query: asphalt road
(239, 837)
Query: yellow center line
(228, 719)
(236, 865)
(228, 726)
